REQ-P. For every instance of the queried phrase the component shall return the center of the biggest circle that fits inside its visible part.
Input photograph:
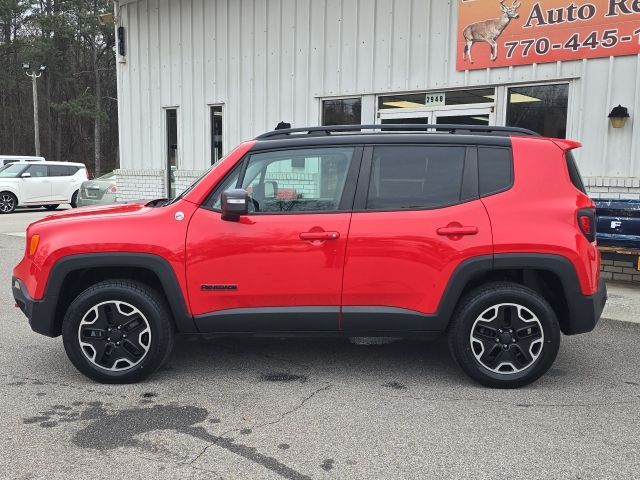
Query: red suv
(484, 234)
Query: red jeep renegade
(484, 234)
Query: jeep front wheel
(118, 331)
(504, 335)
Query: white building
(199, 76)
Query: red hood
(100, 211)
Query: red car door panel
(398, 259)
(261, 261)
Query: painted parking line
(16, 234)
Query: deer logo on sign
(489, 30)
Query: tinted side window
(574, 173)
(413, 177)
(58, 171)
(297, 180)
(37, 170)
(495, 169)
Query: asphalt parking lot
(305, 408)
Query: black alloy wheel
(8, 202)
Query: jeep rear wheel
(504, 335)
(118, 331)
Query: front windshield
(198, 180)
(11, 171)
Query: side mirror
(26, 175)
(234, 204)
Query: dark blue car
(618, 223)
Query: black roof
(392, 134)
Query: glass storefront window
(216, 133)
(541, 108)
(451, 97)
(342, 111)
(171, 119)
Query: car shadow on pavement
(316, 359)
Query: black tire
(51, 207)
(152, 316)
(74, 200)
(8, 202)
(514, 355)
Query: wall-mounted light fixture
(619, 116)
(106, 18)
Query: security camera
(106, 18)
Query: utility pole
(35, 74)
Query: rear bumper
(41, 314)
(107, 199)
(585, 311)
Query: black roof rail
(395, 128)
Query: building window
(342, 111)
(541, 108)
(171, 118)
(216, 133)
(438, 99)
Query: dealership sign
(497, 33)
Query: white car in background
(8, 159)
(40, 184)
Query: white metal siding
(270, 60)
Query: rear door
(62, 182)
(417, 217)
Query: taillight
(587, 223)
(86, 171)
(113, 188)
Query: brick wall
(184, 178)
(306, 184)
(623, 268)
(150, 184)
(140, 184)
(613, 187)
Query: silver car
(100, 191)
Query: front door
(417, 218)
(37, 187)
(280, 267)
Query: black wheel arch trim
(43, 315)
(583, 311)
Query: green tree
(77, 91)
